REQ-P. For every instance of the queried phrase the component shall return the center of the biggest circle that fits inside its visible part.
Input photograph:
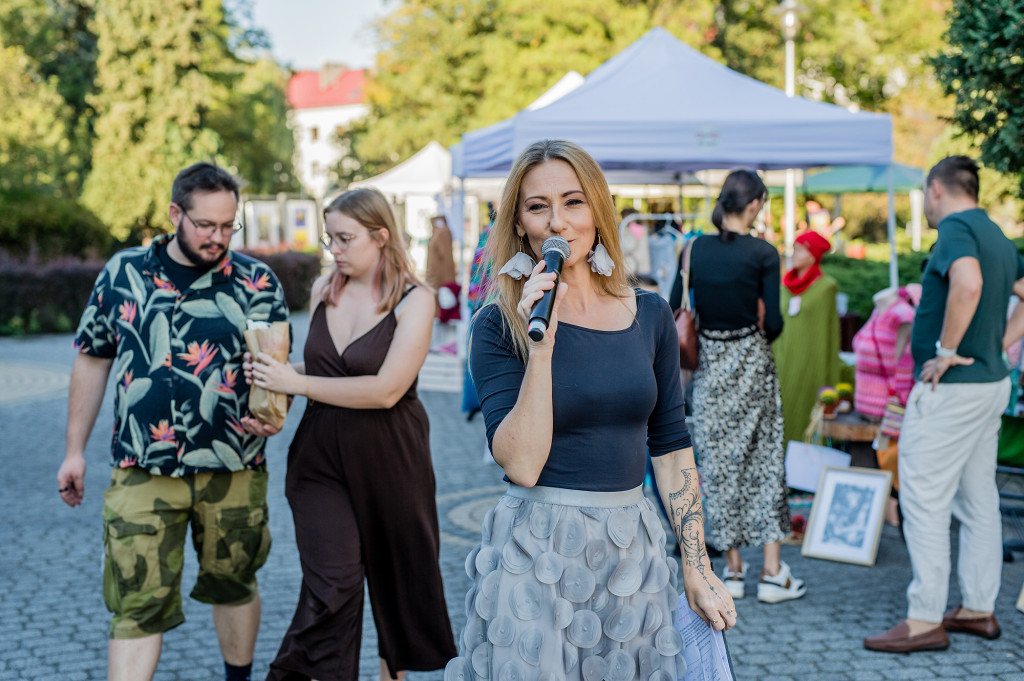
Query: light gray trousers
(947, 465)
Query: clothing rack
(648, 254)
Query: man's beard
(194, 256)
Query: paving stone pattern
(53, 622)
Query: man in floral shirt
(169, 319)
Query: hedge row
(50, 297)
(36, 223)
(45, 298)
(861, 279)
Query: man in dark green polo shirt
(947, 445)
(168, 319)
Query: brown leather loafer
(985, 627)
(899, 640)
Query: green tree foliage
(37, 226)
(177, 84)
(161, 66)
(34, 146)
(983, 68)
(997, 192)
(57, 48)
(449, 66)
(861, 53)
(256, 143)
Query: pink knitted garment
(874, 381)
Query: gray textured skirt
(570, 585)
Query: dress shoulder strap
(401, 300)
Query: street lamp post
(789, 11)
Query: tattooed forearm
(687, 517)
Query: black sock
(233, 673)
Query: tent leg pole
(916, 211)
(681, 211)
(789, 206)
(894, 276)
(707, 198)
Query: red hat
(815, 243)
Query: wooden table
(856, 430)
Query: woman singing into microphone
(571, 580)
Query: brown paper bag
(268, 406)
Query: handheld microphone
(555, 251)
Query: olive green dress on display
(807, 352)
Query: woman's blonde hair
(394, 274)
(504, 242)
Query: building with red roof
(323, 104)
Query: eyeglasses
(206, 228)
(342, 240)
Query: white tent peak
(564, 86)
(427, 172)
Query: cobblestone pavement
(53, 621)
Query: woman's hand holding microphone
(534, 289)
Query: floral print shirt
(180, 393)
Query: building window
(339, 131)
(314, 133)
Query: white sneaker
(734, 581)
(781, 587)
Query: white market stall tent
(660, 109)
(422, 185)
(427, 172)
(417, 185)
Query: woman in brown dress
(363, 433)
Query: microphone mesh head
(555, 243)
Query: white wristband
(941, 351)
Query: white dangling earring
(519, 265)
(599, 259)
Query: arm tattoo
(687, 517)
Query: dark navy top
(615, 394)
(727, 278)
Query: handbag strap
(685, 274)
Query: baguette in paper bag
(267, 406)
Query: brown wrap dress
(360, 484)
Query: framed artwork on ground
(847, 515)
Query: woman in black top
(571, 580)
(737, 429)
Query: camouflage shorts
(145, 519)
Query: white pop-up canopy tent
(423, 182)
(660, 109)
(426, 172)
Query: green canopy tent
(858, 180)
(863, 179)
(869, 179)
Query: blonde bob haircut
(503, 242)
(394, 273)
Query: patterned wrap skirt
(571, 585)
(738, 439)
